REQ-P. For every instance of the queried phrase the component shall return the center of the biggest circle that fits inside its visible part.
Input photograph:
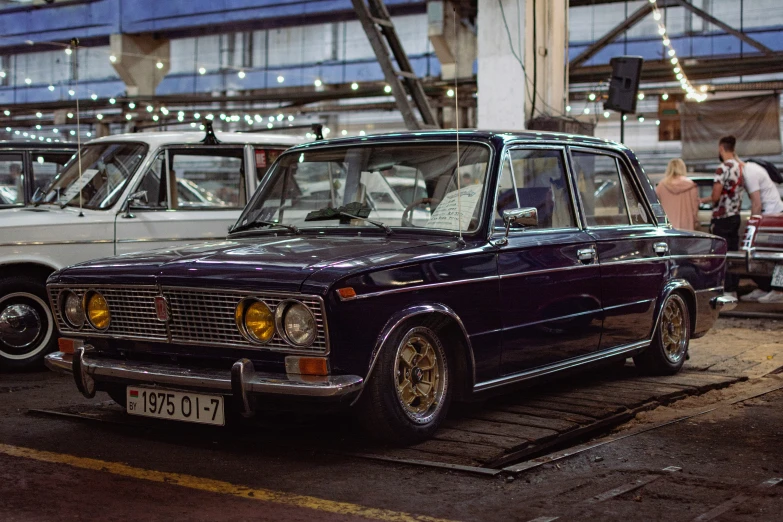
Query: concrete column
(545, 56)
(136, 61)
(501, 80)
(454, 42)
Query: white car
(120, 203)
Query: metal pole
(622, 127)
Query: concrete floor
(61, 469)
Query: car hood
(270, 262)
(50, 223)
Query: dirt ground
(713, 457)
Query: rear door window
(12, 178)
(208, 178)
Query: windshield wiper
(257, 224)
(352, 211)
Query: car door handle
(585, 254)
(661, 248)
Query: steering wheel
(406, 214)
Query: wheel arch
(32, 268)
(452, 326)
(684, 288)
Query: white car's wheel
(27, 330)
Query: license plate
(777, 276)
(175, 405)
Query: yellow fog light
(97, 310)
(255, 320)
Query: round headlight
(297, 322)
(97, 310)
(72, 309)
(255, 320)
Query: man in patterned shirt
(726, 199)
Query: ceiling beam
(698, 68)
(619, 29)
(711, 19)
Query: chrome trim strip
(686, 256)
(168, 239)
(560, 366)
(206, 379)
(547, 270)
(633, 261)
(770, 229)
(66, 242)
(419, 287)
(628, 304)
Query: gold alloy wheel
(419, 376)
(674, 329)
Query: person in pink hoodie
(679, 196)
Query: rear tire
(669, 348)
(409, 392)
(27, 329)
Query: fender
(668, 288)
(36, 261)
(403, 315)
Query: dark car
(516, 273)
(27, 166)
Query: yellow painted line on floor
(215, 486)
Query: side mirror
(136, 197)
(525, 217)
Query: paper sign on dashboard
(452, 208)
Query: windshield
(106, 168)
(412, 185)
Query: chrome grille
(198, 316)
(132, 311)
(201, 316)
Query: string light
(685, 84)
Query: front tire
(27, 330)
(410, 390)
(669, 348)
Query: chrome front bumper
(241, 382)
(753, 262)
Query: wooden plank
(406, 453)
(586, 402)
(645, 386)
(499, 441)
(546, 413)
(655, 392)
(626, 400)
(464, 450)
(526, 420)
(702, 381)
(597, 412)
(529, 433)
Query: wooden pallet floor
(488, 435)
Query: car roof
(36, 144)
(156, 139)
(471, 135)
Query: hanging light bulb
(68, 51)
(112, 58)
(202, 70)
(354, 86)
(159, 65)
(241, 74)
(318, 82)
(280, 79)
